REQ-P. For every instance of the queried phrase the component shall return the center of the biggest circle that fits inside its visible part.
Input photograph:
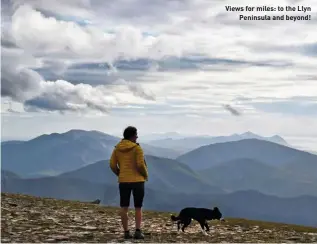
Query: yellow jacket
(127, 162)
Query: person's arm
(141, 163)
(114, 163)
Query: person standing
(127, 162)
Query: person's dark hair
(129, 132)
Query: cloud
(27, 51)
(57, 67)
(108, 73)
(295, 108)
(28, 87)
(122, 40)
(86, 42)
(162, 59)
(78, 8)
(64, 96)
(232, 110)
(25, 85)
(7, 40)
(137, 90)
(310, 49)
(17, 81)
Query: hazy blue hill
(199, 178)
(190, 143)
(266, 152)
(243, 204)
(11, 142)
(57, 153)
(249, 174)
(300, 210)
(164, 173)
(8, 174)
(60, 188)
(304, 170)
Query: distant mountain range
(57, 153)
(236, 175)
(246, 177)
(13, 142)
(287, 180)
(263, 151)
(56, 187)
(164, 174)
(185, 144)
(248, 164)
(160, 136)
(249, 174)
(313, 152)
(243, 204)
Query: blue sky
(160, 65)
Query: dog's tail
(174, 218)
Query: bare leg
(138, 218)
(124, 218)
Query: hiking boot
(127, 235)
(138, 235)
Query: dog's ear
(216, 209)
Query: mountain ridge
(167, 172)
(49, 152)
(264, 151)
(188, 143)
(244, 174)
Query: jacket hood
(125, 145)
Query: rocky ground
(32, 219)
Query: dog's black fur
(200, 214)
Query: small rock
(85, 234)
(88, 227)
(60, 238)
(294, 238)
(77, 219)
(50, 240)
(53, 219)
(88, 235)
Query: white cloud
(79, 8)
(24, 85)
(68, 40)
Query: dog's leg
(202, 225)
(186, 223)
(207, 226)
(178, 225)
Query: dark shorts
(137, 189)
